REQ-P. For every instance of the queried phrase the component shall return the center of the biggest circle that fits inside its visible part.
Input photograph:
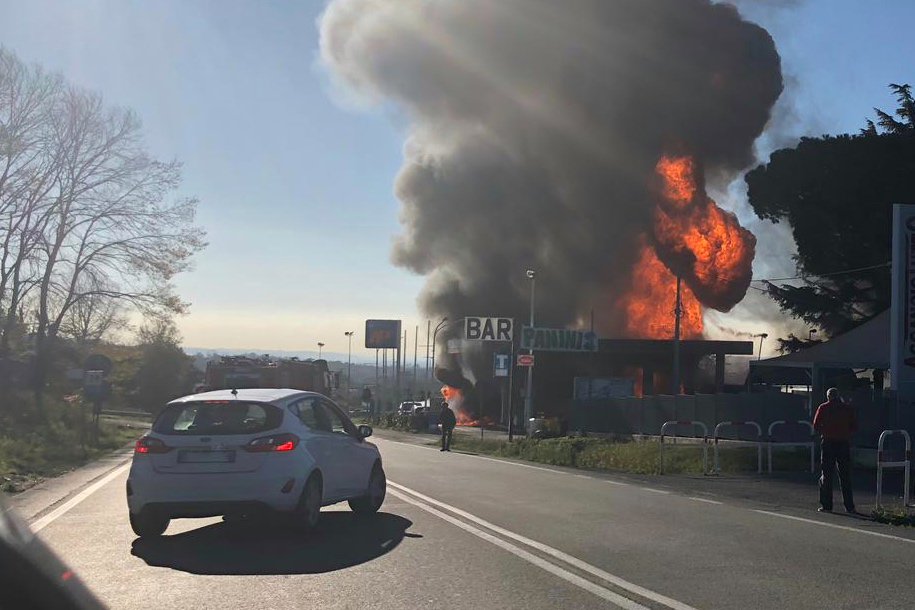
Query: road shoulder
(43, 497)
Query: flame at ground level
(455, 399)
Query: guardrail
(736, 424)
(694, 424)
(905, 464)
(809, 443)
(137, 414)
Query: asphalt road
(462, 531)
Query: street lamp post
(528, 402)
(349, 359)
(320, 348)
(762, 337)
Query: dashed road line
(835, 526)
(706, 500)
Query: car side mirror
(365, 431)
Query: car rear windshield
(218, 417)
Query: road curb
(40, 499)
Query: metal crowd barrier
(694, 424)
(905, 464)
(735, 424)
(809, 443)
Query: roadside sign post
(501, 367)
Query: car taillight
(277, 442)
(148, 444)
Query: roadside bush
(640, 457)
(30, 450)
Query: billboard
(902, 320)
(382, 334)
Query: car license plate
(206, 457)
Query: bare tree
(28, 167)
(92, 317)
(89, 222)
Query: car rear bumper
(179, 510)
(204, 495)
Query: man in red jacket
(836, 423)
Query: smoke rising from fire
(536, 129)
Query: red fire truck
(236, 372)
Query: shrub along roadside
(895, 516)
(637, 457)
(31, 451)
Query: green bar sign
(558, 340)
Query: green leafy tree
(165, 372)
(837, 193)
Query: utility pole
(349, 359)
(528, 395)
(428, 333)
(415, 349)
(678, 311)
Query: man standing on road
(448, 422)
(836, 423)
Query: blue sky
(295, 185)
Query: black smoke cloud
(535, 127)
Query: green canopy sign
(558, 340)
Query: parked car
(243, 452)
(408, 407)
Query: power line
(803, 277)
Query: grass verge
(894, 516)
(31, 451)
(638, 457)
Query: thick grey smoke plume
(535, 128)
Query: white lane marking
(706, 500)
(52, 516)
(582, 476)
(479, 457)
(833, 525)
(654, 491)
(587, 585)
(556, 553)
(620, 483)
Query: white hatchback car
(243, 452)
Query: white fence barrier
(694, 424)
(905, 464)
(809, 444)
(738, 424)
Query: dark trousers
(835, 454)
(446, 438)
